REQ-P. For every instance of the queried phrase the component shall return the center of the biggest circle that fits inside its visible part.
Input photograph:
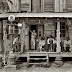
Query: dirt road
(67, 67)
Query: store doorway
(32, 27)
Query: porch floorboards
(51, 54)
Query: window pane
(11, 29)
(62, 29)
(16, 27)
(16, 31)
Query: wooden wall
(7, 42)
(70, 33)
(63, 5)
(49, 28)
(69, 5)
(40, 30)
(48, 6)
(36, 6)
(25, 5)
(14, 6)
(41, 5)
(1, 38)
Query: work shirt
(41, 43)
(67, 43)
(33, 35)
(16, 40)
(50, 41)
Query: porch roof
(50, 15)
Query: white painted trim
(50, 15)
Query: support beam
(27, 38)
(22, 34)
(4, 39)
(58, 36)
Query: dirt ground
(66, 67)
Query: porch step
(38, 59)
(39, 63)
(10, 67)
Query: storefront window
(62, 29)
(12, 29)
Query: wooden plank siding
(14, 6)
(25, 5)
(70, 34)
(1, 36)
(49, 28)
(36, 5)
(48, 6)
(69, 5)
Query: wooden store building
(46, 17)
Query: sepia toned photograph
(35, 35)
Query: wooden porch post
(58, 59)
(58, 36)
(5, 39)
(23, 36)
(27, 37)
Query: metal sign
(11, 18)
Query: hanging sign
(19, 25)
(11, 18)
(69, 22)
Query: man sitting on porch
(51, 43)
(67, 44)
(41, 44)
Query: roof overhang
(50, 15)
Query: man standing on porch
(33, 39)
(16, 43)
